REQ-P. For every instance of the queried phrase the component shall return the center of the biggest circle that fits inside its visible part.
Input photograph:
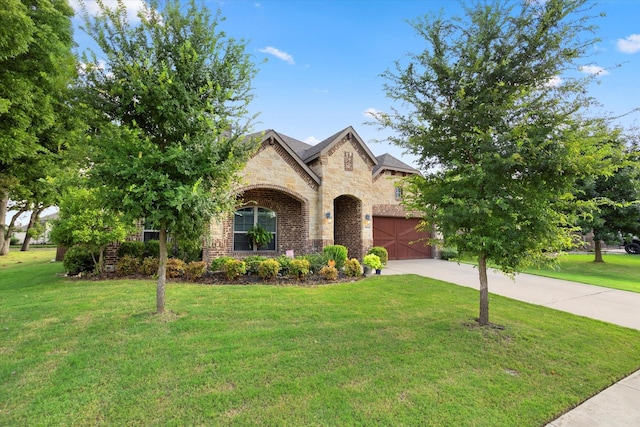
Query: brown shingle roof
(387, 161)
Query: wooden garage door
(396, 235)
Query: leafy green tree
(613, 202)
(499, 139)
(82, 221)
(37, 68)
(174, 93)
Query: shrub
(235, 268)
(381, 252)
(329, 273)
(373, 261)
(134, 249)
(14, 241)
(149, 266)
(78, 260)
(252, 263)
(188, 251)
(195, 270)
(299, 267)
(338, 253)
(268, 269)
(218, 264)
(128, 265)
(285, 264)
(352, 268)
(152, 249)
(448, 253)
(175, 268)
(316, 261)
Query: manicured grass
(33, 256)
(389, 350)
(619, 271)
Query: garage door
(397, 235)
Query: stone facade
(321, 195)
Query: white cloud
(594, 69)
(371, 113)
(312, 140)
(629, 45)
(554, 81)
(101, 65)
(278, 54)
(133, 6)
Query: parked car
(633, 247)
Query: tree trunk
(35, 217)
(101, 259)
(4, 203)
(4, 250)
(597, 245)
(483, 319)
(162, 271)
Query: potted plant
(259, 236)
(381, 252)
(372, 261)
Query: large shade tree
(37, 70)
(172, 111)
(612, 203)
(495, 129)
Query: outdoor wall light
(328, 217)
(367, 221)
(367, 217)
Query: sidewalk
(619, 405)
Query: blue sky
(324, 59)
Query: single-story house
(311, 196)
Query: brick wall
(348, 225)
(292, 219)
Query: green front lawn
(389, 350)
(619, 271)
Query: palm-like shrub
(338, 253)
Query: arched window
(244, 219)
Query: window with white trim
(244, 219)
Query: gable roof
(387, 161)
(324, 146)
(299, 147)
(285, 142)
(304, 153)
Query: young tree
(84, 222)
(37, 67)
(497, 136)
(174, 93)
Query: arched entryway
(347, 228)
